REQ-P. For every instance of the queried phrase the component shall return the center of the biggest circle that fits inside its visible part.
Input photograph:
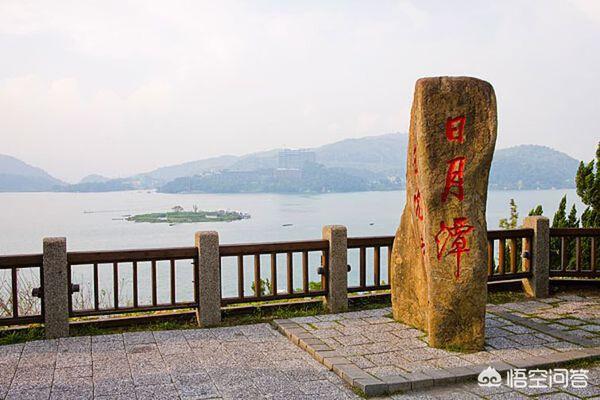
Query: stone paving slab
(377, 355)
(256, 362)
(242, 362)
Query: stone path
(255, 361)
(378, 355)
(244, 362)
(574, 315)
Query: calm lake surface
(94, 221)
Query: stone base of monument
(377, 355)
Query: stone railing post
(539, 283)
(55, 288)
(337, 275)
(209, 282)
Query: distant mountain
(94, 178)
(532, 167)
(371, 153)
(111, 185)
(17, 176)
(171, 172)
(368, 163)
(381, 159)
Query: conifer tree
(560, 217)
(538, 210)
(588, 189)
(513, 220)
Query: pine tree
(588, 189)
(538, 210)
(560, 217)
(513, 220)
(561, 220)
(572, 221)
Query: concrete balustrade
(55, 290)
(539, 283)
(209, 284)
(337, 276)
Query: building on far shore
(295, 159)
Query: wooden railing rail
(363, 244)
(115, 261)
(155, 279)
(21, 289)
(257, 252)
(574, 252)
(509, 254)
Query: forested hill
(17, 176)
(532, 167)
(368, 163)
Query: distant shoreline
(154, 191)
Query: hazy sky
(120, 87)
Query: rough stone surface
(209, 284)
(255, 361)
(538, 284)
(379, 355)
(56, 292)
(440, 250)
(337, 299)
(249, 362)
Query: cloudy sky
(120, 87)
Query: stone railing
(264, 272)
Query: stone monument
(439, 259)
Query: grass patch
(356, 303)
(459, 349)
(260, 315)
(505, 297)
(92, 330)
(22, 335)
(582, 364)
(359, 392)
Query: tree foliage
(537, 210)
(587, 181)
(513, 220)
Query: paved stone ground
(243, 362)
(472, 390)
(575, 315)
(255, 361)
(382, 347)
(368, 346)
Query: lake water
(94, 221)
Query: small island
(179, 216)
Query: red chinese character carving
(415, 165)
(455, 179)
(422, 246)
(455, 128)
(417, 205)
(455, 237)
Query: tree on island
(177, 209)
